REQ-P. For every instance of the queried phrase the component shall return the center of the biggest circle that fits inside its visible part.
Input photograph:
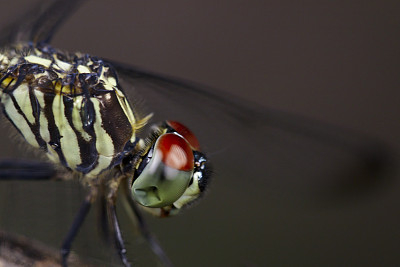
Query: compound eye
(168, 173)
(186, 133)
(176, 152)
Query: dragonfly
(251, 144)
(80, 117)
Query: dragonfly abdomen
(70, 106)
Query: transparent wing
(272, 171)
(288, 152)
(279, 179)
(38, 22)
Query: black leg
(119, 242)
(26, 170)
(80, 217)
(144, 229)
(104, 219)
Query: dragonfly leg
(119, 242)
(144, 229)
(80, 217)
(26, 170)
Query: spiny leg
(144, 229)
(119, 242)
(80, 217)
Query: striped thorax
(72, 107)
(69, 105)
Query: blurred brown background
(335, 61)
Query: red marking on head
(186, 133)
(176, 152)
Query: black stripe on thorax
(88, 151)
(35, 128)
(55, 136)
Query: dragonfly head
(172, 173)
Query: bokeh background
(336, 62)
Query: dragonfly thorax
(69, 105)
(72, 107)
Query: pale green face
(172, 174)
